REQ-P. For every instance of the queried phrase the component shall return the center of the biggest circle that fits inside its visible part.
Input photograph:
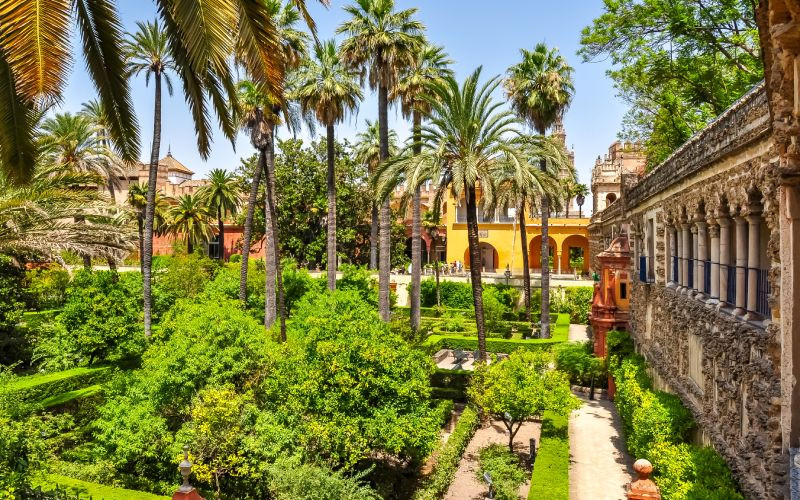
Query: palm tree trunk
(331, 211)
(87, 262)
(373, 238)
(248, 226)
(270, 302)
(111, 191)
(150, 208)
(112, 263)
(526, 265)
(475, 268)
(545, 316)
(272, 203)
(221, 239)
(385, 221)
(189, 246)
(438, 295)
(416, 236)
(140, 224)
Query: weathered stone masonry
(705, 233)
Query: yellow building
(501, 245)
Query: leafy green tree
(222, 198)
(467, 137)
(12, 303)
(367, 152)
(429, 65)
(191, 219)
(381, 42)
(100, 321)
(520, 388)
(540, 89)
(678, 64)
(581, 192)
(329, 89)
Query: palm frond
(17, 145)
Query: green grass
(550, 478)
(96, 491)
(31, 381)
(66, 397)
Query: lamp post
(507, 274)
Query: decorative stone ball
(643, 468)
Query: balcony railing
(707, 277)
(762, 293)
(646, 271)
(675, 269)
(690, 276)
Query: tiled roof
(174, 165)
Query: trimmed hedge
(450, 384)
(550, 477)
(42, 386)
(657, 427)
(85, 489)
(448, 457)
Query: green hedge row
(507, 346)
(42, 386)
(450, 384)
(658, 427)
(550, 477)
(448, 457)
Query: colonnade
(719, 260)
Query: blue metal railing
(707, 277)
(762, 293)
(643, 268)
(731, 270)
(690, 277)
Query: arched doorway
(610, 198)
(575, 253)
(535, 252)
(489, 258)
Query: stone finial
(643, 488)
(186, 491)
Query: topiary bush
(504, 467)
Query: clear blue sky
(473, 32)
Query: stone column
(713, 233)
(724, 259)
(670, 253)
(693, 255)
(741, 265)
(686, 251)
(702, 255)
(753, 263)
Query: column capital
(701, 225)
(693, 228)
(713, 231)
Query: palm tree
(581, 192)
(540, 89)
(329, 89)
(258, 112)
(39, 217)
(467, 137)
(222, 198)
(191, 219)
(70, 141)
(148, 51)
(137, 199)
(568, 187)
(430, 65)
(35, 57)
(368, 152)
(381, 43)
(431, 222)
(523, 185)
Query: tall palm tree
(368, 152)
(381, 43)
(329, 89)
(259, 112)
(525, 185)
(148, 51)
(429, 65)
(467, 137)
(70, 141)
(581, 192)
(39, 217)
(222, 198)
(540, 89)
(190, 218)
(35, 55)
(431, 222)
(568, 187)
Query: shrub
(448, 457)
(504, 468)
(577, 361)
(47, 287)
(550, 477)
(297, 282)
(180, 277)
(11, 305)
(577, 302)
(509, 296)
(657, 427)
(359, 279)
(101, 321)
(493, 308)
(311, 482)
(454, 294)
(235, 258)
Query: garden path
(465, 485)
(599, 465)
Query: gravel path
(578, 333)
(599, 465)
(465, 485)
